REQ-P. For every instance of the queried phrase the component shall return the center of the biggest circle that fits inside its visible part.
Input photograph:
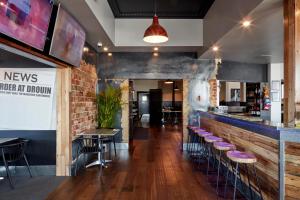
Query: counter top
(253, 124)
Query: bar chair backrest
(88, 144)
(13, 152)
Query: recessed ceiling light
(1, 3)
(105, 48)
(266, 55)
(215, 48)
(99, 44)
(109, 54)
(85, 49)
(155, 54)
(246, 23)
(155, 48)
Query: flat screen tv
(68, 38)
(26, 20)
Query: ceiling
(262, 43)
(195, 9)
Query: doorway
(143, 108)
(155, 107)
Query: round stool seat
(200, 130)
(197, 129)
(191, 127)
(223, 146)
(211, 139)
(241, 157)
(204, 134)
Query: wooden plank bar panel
(292, 170)
(265, 149)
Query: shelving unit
(253, 98)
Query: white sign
(27, 99)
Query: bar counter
(277, 149)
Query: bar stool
(190, 137)
(201, 135)
(194, 140)
(222, 147)
(209, 141)
(245, 158)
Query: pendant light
(155, 33)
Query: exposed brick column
(83, 98)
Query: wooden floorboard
(155, 169)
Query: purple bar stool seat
(212, 139)
(241, 157)
(224, 146)
(204, 134)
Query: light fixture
(215, 48)
(2, 4)
(155, 33)
(246, 23)
(176, 88)
(155, 54)
(109, 54)
(105, 48)
(85, 49)
(99, 44)
(155, 48)
(168, 81)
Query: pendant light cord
(154, 7)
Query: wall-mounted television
(26, 20)
(68, 38)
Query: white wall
(275, 74)
(143, 85)
(104, 15)
(181, 32)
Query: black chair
(12, 153)
(87, 145)
(109, 141)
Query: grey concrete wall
(242, 72)
(146, 66)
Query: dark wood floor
(155, 169)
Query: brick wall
(83, 98)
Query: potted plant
(109, 103)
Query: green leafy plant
(109, 103)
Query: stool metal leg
(257, 182)
(249, 184)
(188, 142)
(218, 176)
(235, 180)
(226, 180)
(208, 158)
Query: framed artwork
(276, 85)
(275, 96)
(235, 95)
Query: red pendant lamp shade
(155, 33)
